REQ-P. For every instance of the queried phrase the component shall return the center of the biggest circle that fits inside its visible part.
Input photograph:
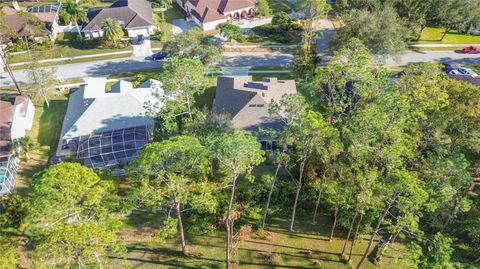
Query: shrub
(281, 21)
(231, 31)
(18, 46)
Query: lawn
(273, 74)
(308, 247)
(165, 25)
(67, 45)
(280, 5)
(432, 35)
(46, 129)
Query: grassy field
(274, 247)
(432, 35)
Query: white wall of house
(146, 31)
(212, 25)
(93, 34)
(21, 123)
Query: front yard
(431, 35)
(67, 45)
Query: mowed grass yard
(66, 45)
(275, 247)
(432, 35)
(46, 129)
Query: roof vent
(271, 80)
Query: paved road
(454, 57)
(106, 67)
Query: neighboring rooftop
(130, 14)
(475, 80)
(247, 101)
(14, 107)
(212, 10)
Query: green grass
(280, 5)
(474, 67)
(432, 35)
(273, 74)
(75, 61)
(46, 128)
(165, 25)
(207, 249)
(67, 45)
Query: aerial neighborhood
(240, 134)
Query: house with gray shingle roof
(135, 16)
(208, 14)
(248, 101)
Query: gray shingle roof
(130, 14)
(247, 101)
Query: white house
(208, 14)
(16, 117)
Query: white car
(454, 72)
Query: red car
(472, 50)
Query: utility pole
(7, 67)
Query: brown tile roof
(247, 101)
(213, 10)
(7, 114)
(130, 13)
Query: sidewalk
(76, 57)
(441, 45)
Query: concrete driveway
(144, 49)
(181, 25)
(247, 25)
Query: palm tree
(112, 30)
(75, 13)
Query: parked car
(453, 72)
(140, 39)
(448, 67)
(159, 56)
(471, 50)
(466, 71)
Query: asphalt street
(231, 59)
(107, 67)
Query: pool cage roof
(8, 173)
(46, 8)
(113, 147)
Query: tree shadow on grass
(51, 124)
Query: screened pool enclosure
(110, 148)
(8, 172)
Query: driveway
(144, 49)
(181, 25)
(247, 25)
(325, 36)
